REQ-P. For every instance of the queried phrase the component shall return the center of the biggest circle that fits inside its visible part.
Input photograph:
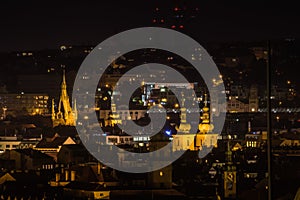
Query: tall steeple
(64, 77)
(65, 114)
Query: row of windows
(251, 144)
(234, 105)
(122, 140)
(7, 146)
(25, 97)
(188, 143)
(25, 102)
(125, 113)
(47, 166)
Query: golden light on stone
(206, 128)
(65, 115)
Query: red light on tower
(154, 20)
(173, 26)
(181, 26)
(176, 9)
(162, 21)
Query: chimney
(73, 174)
(98, 168)
(67, 175)
(57, 177)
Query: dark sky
(48, 24)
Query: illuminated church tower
(114, 117)
(183, 140)
(205, 126)
(205, 138)
(184, 127)
(65, 115)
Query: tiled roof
(291, 136)
(86, 186)
(33, 153)
(58, 141)
(23, 177)
(75, 147)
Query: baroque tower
(65, 115)
(205, 138)
(205, 126)
(184, 127)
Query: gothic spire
(66, 115)
(64, 83)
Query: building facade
(23, 104)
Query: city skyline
(212, 112)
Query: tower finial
(205, 126)
(205, 99)
(184, 127)
(64, 75)
(65, 114)
(64, 83)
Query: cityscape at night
(173, 99)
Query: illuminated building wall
(23, 104)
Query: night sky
(39, 25)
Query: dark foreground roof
(86, 186)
